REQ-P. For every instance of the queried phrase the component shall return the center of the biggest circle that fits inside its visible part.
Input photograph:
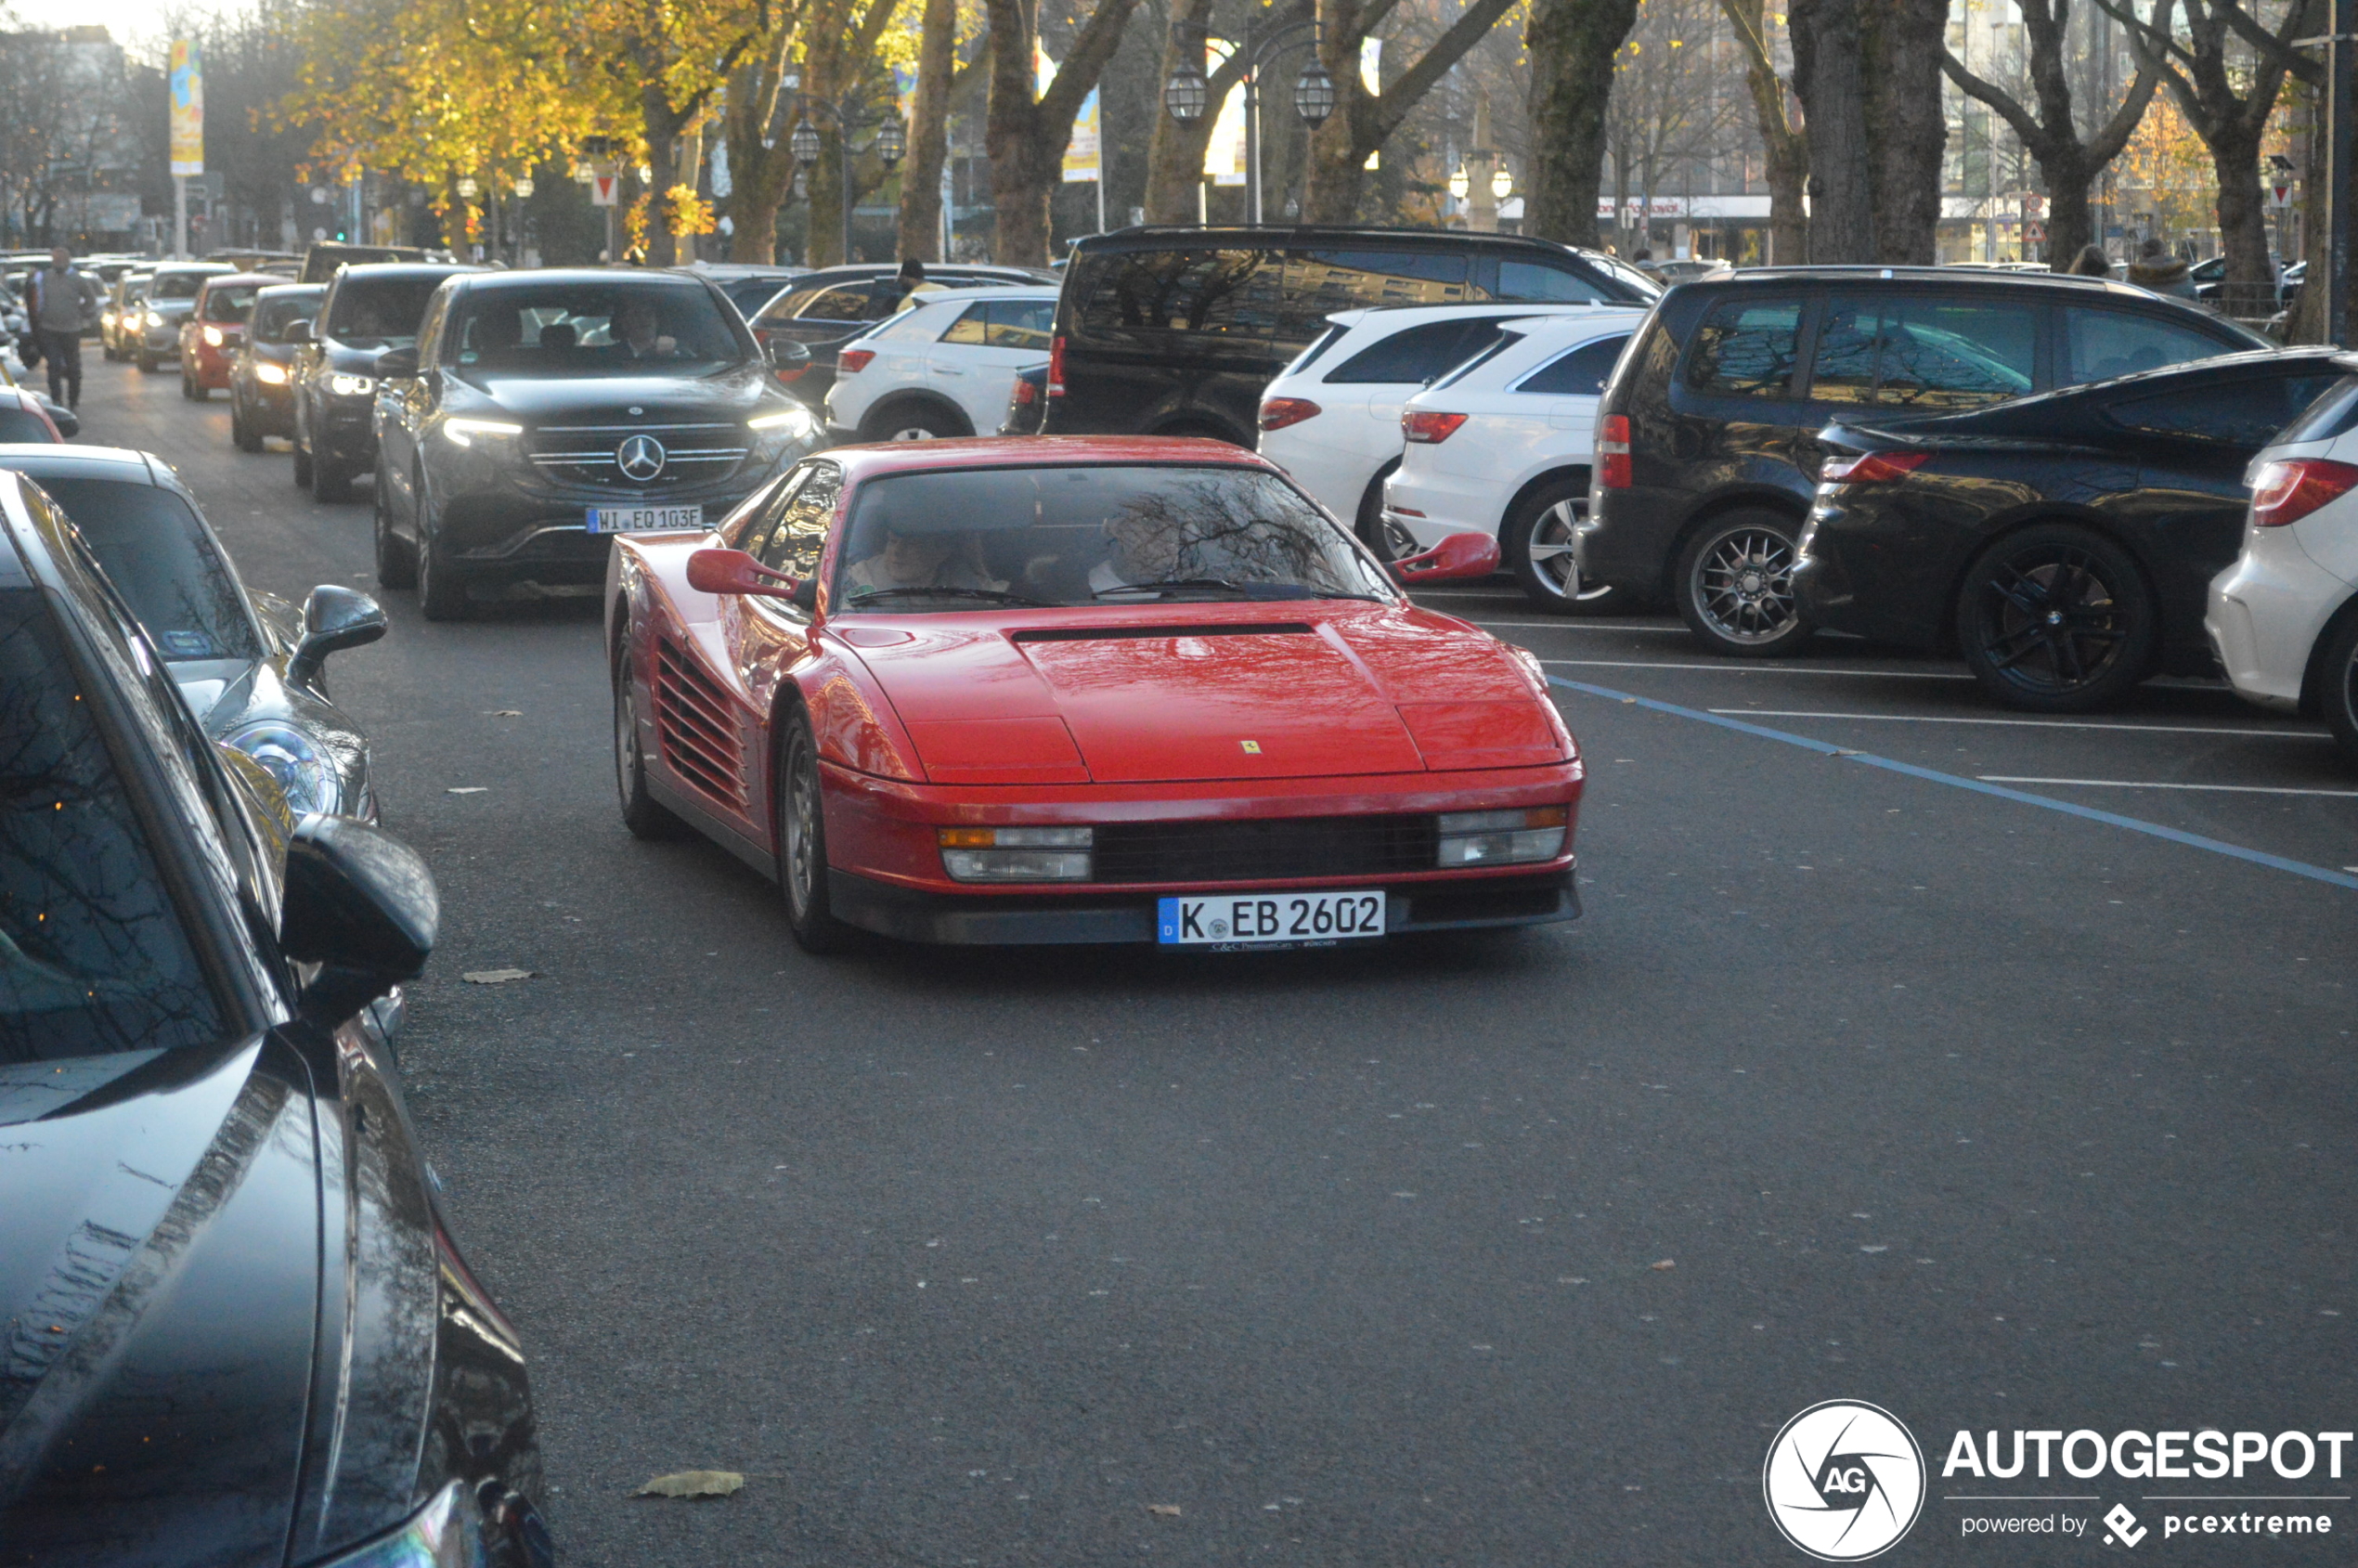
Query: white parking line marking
(1732, 668)
(2026, 723)
(2135, 784)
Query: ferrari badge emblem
(1252, 748)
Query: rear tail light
(1026, 393)
(1870, 468)
(1280, 412)
(1056, 366)
(1424, 424)
(1612, 452)
(2286, 492)
(851, 362)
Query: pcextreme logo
(1844, 1481)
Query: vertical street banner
(188, 106)
(1224, 154)
(1084, 154)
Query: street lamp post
(848, 114)
(1186, 95)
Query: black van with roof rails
(1708, 449)
(1176, 331)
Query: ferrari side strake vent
(698, 737)
(1112, 633)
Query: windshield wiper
(996, 596)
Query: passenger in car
(922, 558)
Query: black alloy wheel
(801, 829)
(1537, 544)
(2056, 619)
(2338, 685)
(645, 816)
(397, 562)
(1735, 585)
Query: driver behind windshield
(638, 332)
(926, 558)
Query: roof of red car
(1026, 451)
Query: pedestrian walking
(2090, 262)
(909, 278)
(64, 299)
(2157, 269)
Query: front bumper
(161, 343)
(2265, 614)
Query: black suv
(1176, 331)
(1707, 447)
(368, 310)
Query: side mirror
(361, 904)
(298, 331)
(732, 571)
(1459, 555)
(334, 618)
(397, 365)
(788, 356)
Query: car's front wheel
(2056, 619)
(645, 815)
(1537, 544)
(1735, 585)
(910, 422)
(801, 826)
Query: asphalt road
(1994, 1115)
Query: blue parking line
(2111, 819)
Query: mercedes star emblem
(641, 457)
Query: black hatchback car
(543, 412)
(237, 1331)
(1176, 331)
(367, 310)
(261, 374)
(1707, 452)
(2061, 544)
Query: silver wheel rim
(802, 807)
(1550, 552)
(1743, 584)
(625, 734)
(912, 432)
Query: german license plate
(644, 519)
(1268, 919)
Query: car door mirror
(334, 618)
(69, 423)
(788, 354)
(732, 571)
(298, 331)
(397, 365)
(1459, 555)
(361, 904)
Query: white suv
(1502, 444)
(1332, 419)
(944, 366)
(2284, 618)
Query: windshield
(594, 329)
(176, 285)
(230, 304)
(158, 557)
(92, 956)
(379, 312)
(272, 317)
(1092, 536)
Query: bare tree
(928, 132)
(1174, 153)
(1784, 150)
(1868, 74)
(1025, 131)
(1573, 45)
(1362, 120)
(1668, 105)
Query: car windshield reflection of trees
(92, 956)
(1092, 536)
(594, 329)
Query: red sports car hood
(1208, 695)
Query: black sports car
(262, 375)
(542, 412)
(368, 310)
(2061, 544)
(236, 1328)
(252, 668)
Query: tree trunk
(928, 134)
(2071, 221)
(1784, 151)
(2243, 220)
(1826, 77)
(1572, 45)
(1026, 133)
(1900, 51)
(2308, 323)
(1338, 157)
(1175, 151)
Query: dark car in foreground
(2062, 545)
(249, 666)
(1707, 451)
(823, 310)
(541, 413)
(239, 1331)
(369, 309)
(261, 377)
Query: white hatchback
(1502, 446)
(1332, 419)
(944, 365)
(2284, 618)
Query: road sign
(2279, 195)
(2034, 233)
(603, 188)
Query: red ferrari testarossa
(1073, 690)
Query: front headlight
(155, 319)
(265, 371)
(1501, 837)
(447, 1533)
(1015, 854)
(466, 433)
(287, 756)
(213, 336)
(341, 385)
(794, 422)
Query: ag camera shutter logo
(1844, 1481)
